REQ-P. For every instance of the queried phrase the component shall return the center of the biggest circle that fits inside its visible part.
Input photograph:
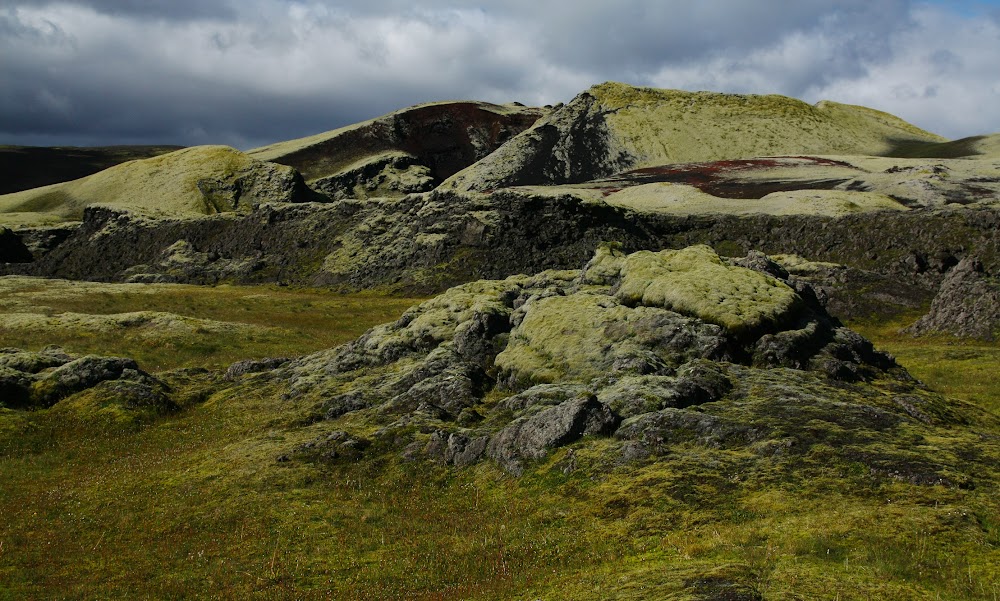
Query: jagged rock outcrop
(424, 243)
(411, 150)
(644, 351)
(967, 305)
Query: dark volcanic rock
(15, 388)
(653, 350)
(573, 144)
(80, 374)
(33, 362)
(425, 243)
(531, 437)
(254, 366)
(967, 305)
(12, 248)
(31, 380)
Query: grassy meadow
(197, 504)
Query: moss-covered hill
(896, 224)
(26, 167)
(654, 349)
(614, 127)
(202, 180)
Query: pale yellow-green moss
(605, 266)
(831, 203)
(798, 265)
(694, 281)
(437, 319)
(929, 182)
(679, 199)
(663, 197)
(191, 181)
(673, 126)
(584, 192)
(562, 337)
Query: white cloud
(942, 75)
(260, 70)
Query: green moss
(435, 321)
(198, 503)
(605, 266)
(120, 405)
(673, 126)
(563, 337)
(696, 282)
(964, 369)
(159, 324)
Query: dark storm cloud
(255, 71)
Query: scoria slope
(410, 150)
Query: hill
(614, 127)
(201, 180)
(624, 379)
(897, 225)
(973, 146)
(26, 167)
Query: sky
(250, 72)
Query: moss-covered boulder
(695, 281)
(31, 380)
(584, 336)
(624, 360)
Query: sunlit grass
(288, 322)
(198, 505)
(960, 368)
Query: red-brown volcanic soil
(722, 178)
